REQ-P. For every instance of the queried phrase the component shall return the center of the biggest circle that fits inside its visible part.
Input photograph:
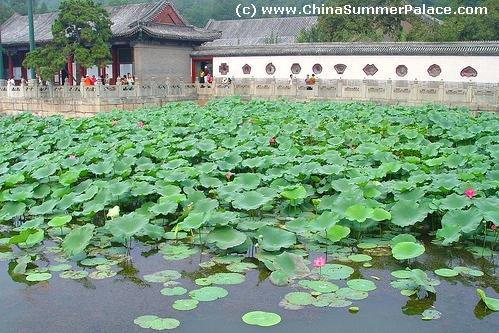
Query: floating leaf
(361, 284)
(491, 303)
(157, 323)
(261, 318)
(206, 294)
(407, 250)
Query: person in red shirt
(88, 81)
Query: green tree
(80, 31)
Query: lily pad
(361, 284)
(446, 272)
(261, 318)
(206, 294)
(163, 276)
(185, 304)
(157, 323)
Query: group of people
(205, 75)
(309, 80)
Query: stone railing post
(82, 87)
(231, 86)
(339, 89)
(388, 89)
(316, 88)
(294, 87)
(153, 86)
(51, 89)
(23, 88)
(252, 87)
(441, 91)
(98, 88)
(65, 91)
(182, 86)
(136, 87)
(168, 86)
(470, 91)
(363, 89)
(414, 96)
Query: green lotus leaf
(163, 276)
(194, 221)
(185, 304)
(226, 237)
(77, 240)
(177, 252)
(157, 323)
(293, 265)
(336, 271)
(204, 205)
(454, 201)
(209, 182)
(446, 272)
(142, 189)
(60, 267)
(45, 208)
(207, 294)
(261, 318)
(59, 221)
(128, 225)
(353, 293)
(294, 193)
(361, 284)
(359, 257)
(279, 278)
(164, 207)
(430, 314)
(491, 303)
(406, 213)
(99, 275)
(450, 233)
(74, 275)
(299, 298)
(326, 220)
(45, 171)
(248, 181)
(11, 210)
(14, 179)
(274, 239)
(379, 214)
(402, 238)
(101, 168)
(249, 200)
(176, 291)
(488, 207)
(468, 220)
(337, 233)
(69, 177)
(319, 286)
(468, 271)
(407, 250)
(226, 278)
(38, 277)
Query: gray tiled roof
(487, 48)
(127, 19)
(255, 31)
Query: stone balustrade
(81, 100)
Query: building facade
(149, 39)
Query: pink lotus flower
(271, 140)
(493, 227)
(470, 193)
(140, 124)
(228, 175)
(72, 157)
(114, 122)
(319, 262)
(36, 113)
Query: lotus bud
(114, 212)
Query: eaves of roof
(488, 48)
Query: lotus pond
(250, 216)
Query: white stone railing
(476, 96)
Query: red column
(70, 69)
(9, 65)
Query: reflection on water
(110, 305)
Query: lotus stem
(484, 236)
(326, 246)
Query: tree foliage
(80, 31)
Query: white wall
(487, 67)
